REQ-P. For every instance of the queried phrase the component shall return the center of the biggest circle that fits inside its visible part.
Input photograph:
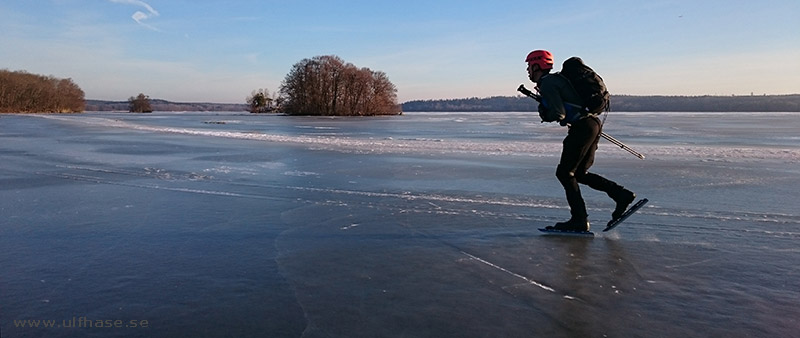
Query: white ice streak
(526, 279)
(347, 144)
(348, 227)
(455, 146)
(298, 173)
(428, 198)
(140, 16)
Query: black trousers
(577, 156)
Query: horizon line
(485, 97)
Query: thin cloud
(140, 16)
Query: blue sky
(220, 51)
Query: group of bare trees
(322, 85)
(260, 101)
(326, 85)
(139, 104)
(22, 92)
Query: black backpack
(588, 84)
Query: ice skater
(560, 102)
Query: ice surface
(338, 141)
(421, 225)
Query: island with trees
(260, 101)
(23, 92)
(139, 104)
(327, 85)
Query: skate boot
(574, 224)
(623, 199)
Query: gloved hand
(543, 114)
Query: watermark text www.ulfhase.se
(82, 323)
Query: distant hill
(765, 103)
(164, 105)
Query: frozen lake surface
(422, 225)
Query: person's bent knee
(564, 174)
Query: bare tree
(326, 85)
(139, 104)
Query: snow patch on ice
(348, 227)
(299, 173)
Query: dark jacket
(560, 101)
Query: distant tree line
(765, 103)
(164, 105)
(22, 92)
(326, 85)
(707, 103)
(474, 104)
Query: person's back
(559, 98)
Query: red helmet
(542, 58)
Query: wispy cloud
(140, 16)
